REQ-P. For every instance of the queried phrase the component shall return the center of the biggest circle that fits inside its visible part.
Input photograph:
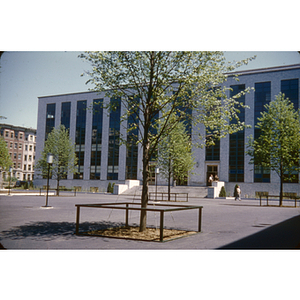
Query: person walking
(238, 192)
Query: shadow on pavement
(51, 230)
(284, 235)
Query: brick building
(21, 144)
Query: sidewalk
(226, 224)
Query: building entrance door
(211, 170)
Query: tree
(153, 85)
(278, 144)
(60, 145)
(222, 192)
(175, 157)
(5, 160)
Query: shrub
(25, 185)
(110, 188)
(222, 192)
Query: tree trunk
(144, 200)
(57, 187)
(169, 181)
(146, 146)
(281, 187)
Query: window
(80, 123)
(21, 136)
(213, 152)
(16, 145)
(6, 133)
(29, 167)
(262, 97)
(10, 145)
(290, 88)
(30, 148)
(30, 158)
(12, 135)
(50, 119)
(96, 139)
(25, 167)
(132, 137)
(19, 156)
(65, 114)
(20, 146)
(25, 157)
(80, 137)
(236, 142)
(114, 140)
(26, 147)
(15, 155)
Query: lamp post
(10, 169)
(156, 174)
(49, 162)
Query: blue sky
(25, 76)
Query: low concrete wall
(121, 188)
(249, 189)
(214, 190)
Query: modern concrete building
(21, 144)
(96, 134)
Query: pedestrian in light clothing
(210, 179)
(238, 192)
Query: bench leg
(126, 221)
(200, 219)
(161, 226)
(77, 219)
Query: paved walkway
(226, 224)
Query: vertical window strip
(80, 136)
(262, 97)
(236, 142)
(114, 140)
(97, 125)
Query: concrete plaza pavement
(226, 224)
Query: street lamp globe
(49, 158)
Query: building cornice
(265, 70)
(17, 128)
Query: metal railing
(174, 197)
(286, 196)
(127, 206)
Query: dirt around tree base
(132, 232)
